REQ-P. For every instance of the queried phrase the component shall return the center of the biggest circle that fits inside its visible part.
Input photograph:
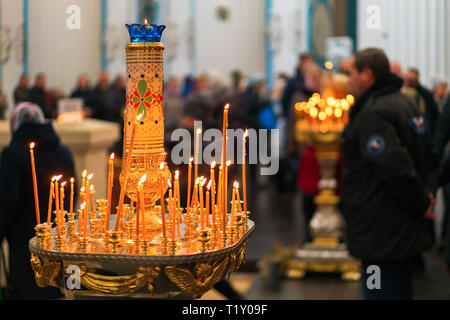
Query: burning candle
(188, 202)
(195, 195)
(88, 190)
(50, 200)
(57, 208)
(83, 211)
(72, 180)
(33, 172)
(244, 179)
(177, 188)
(83, 194)
(213, 192)
(197, 138)
(226, 186)
(110, 186)
(171, 209)
(239, 206)
(161, 191)
(219, 192)
(224, 159)
(202, 210)
(92, 198)
(83, 175)
(125, 175)
(61, 194)
(208, 187)
(234, 205)
(141, 204)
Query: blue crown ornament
(145, 32)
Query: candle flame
(63, 184)
(72, 180)
(197, 180)
(32, 145)
(143, 178)
(112, 156)
(90, 176)
(203, 182)
(139, 117)
(236, 185)
(92, 187)
(213, 164)
(199, 131)
(246, 133)
(53, 178)
(161, 166)
(221, 167)
(227, 106)
(84, 173)
(145, 21)
(191, 159)
(83, 189)
(177, 174)
(58, 177)
(209, 185)
(83, 205)
(169, 183)
(228, 163)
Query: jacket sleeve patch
(375, 145)
(418, 124)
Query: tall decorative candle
(83, 183)
(213, 190)
(92, 198)
(145, 97)
(33, 172)
(84, 212)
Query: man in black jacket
(17, 214)
(389, 175)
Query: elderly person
(17, 218)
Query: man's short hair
(304, 56)
(375, 59)
(414, 70)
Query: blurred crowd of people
(254, 105)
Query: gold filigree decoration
(236, 259)
(44, 271)
(120, 284)
(206, 274)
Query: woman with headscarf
(17, 214)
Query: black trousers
(395, 280)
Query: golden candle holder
(239, 225)
(60, 243)
(82, 243)
(114, 240)
(203, 238)
(61, 223)
(43, 234)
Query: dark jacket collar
(389, 84)
(43, 135)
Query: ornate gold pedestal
(107, 275)
(325, 253)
